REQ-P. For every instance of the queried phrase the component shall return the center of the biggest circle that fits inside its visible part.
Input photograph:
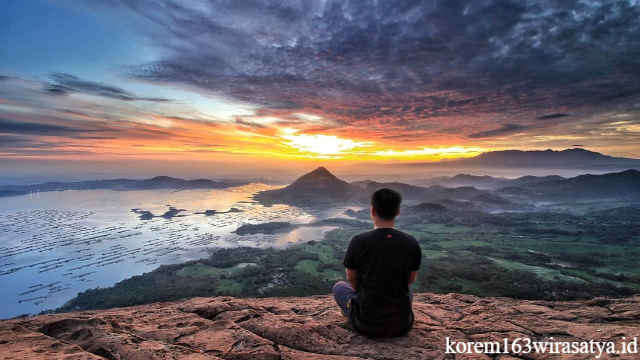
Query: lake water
(55, 244)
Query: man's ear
(398, 213)
(373, 213)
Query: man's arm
(415, 263)
(352, 278)
(350, 262)
(412, 276)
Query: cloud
(376, 64)
(249, 124)
(66, 84)
(402, 75)
(40, 129)
(552, 116)
(58, 89)
(13, 141)
(36, 146)
(504, 129)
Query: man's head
(385, 203)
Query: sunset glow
(322, 145)
(304, 82)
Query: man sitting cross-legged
(381, 265)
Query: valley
(557, 251)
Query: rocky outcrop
(311, 328)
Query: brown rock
(313, 328)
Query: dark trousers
(347, 300)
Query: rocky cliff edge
(312, 328)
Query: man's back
(384, 258)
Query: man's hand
(352, 278)
(412, 277)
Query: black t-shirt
(383, 257)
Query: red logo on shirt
(389, 236)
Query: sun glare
(441, 152)
(321, 145)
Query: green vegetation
(539, 255)
(161, 284)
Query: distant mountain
(530, 180)
(477, 181)
(621, 185)
(362, 183)
(493, 203)
(428, 207)
(486, 182)
(320, 180)
(321, 188)
(515, 192)
(458, 204)
(568, 158)
(317, 188)
(460, 193)
(407, 191)
(156, 183)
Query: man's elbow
(352, 278)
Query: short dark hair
(386, 203)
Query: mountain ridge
(320, 178)
(486, 182)
(161, 182)
(318, 187)
(568, 158)
(304, 192)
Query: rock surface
(312, 328)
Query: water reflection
(55, 244)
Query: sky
(123, 85)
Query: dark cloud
(66, 84)
(552, 116)
(388, 64)
(407, 137)
(504, 129)
(13, 141)
(58, 89)
(30, 146)
(40, 129)
(74, 112)
(249, 124)
(24, 146)
(577, 145)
